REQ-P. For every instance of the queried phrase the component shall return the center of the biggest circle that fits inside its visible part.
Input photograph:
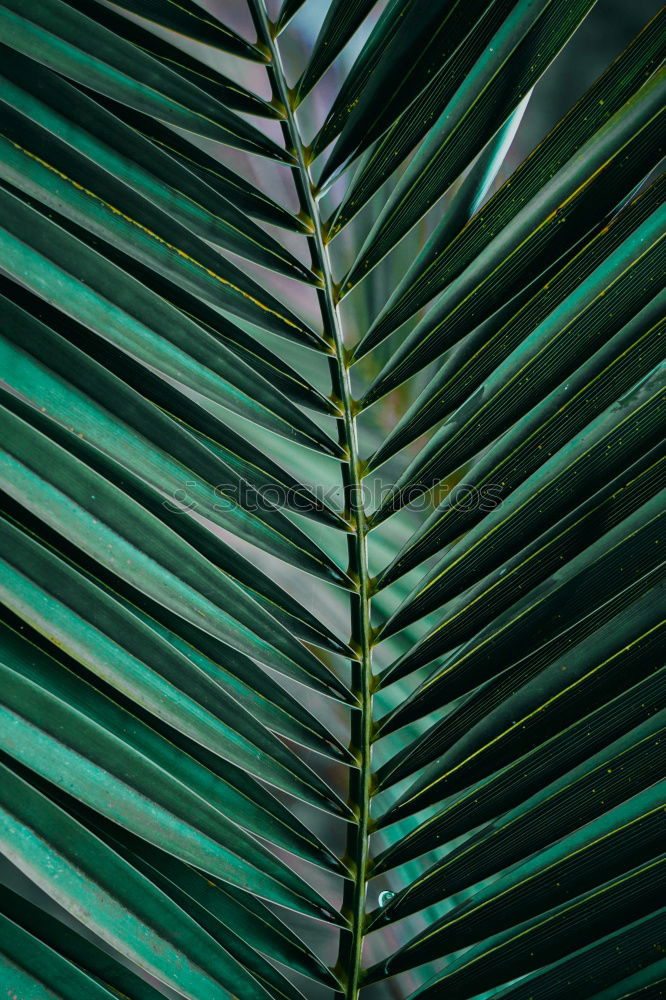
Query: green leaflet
(613, 294)
(223, 89)
(116, 307)
(188, 18)
(109, 896)
(229, 791)
(79, 155)
(546, 938)
(646, 984)
(52, 33)
(149, 474)
(368, 59)
(381, 160)
(448, 250)
(30, 970)
(139, 466)
(223, 918)
(639, 529)
(524, 514)
(595, 180)
(615, 842)
(154, 806)
(250, 351)
(233, 672)
(229, 184)
(505, 71)
(221, 283)
(492, 342)
(117, 646)
(239, 912)
(620, 771)
(288, 10)
(597, 965)
(589, 790)
(597, 668)
(223, 910)
(517, 455)
(343, 17)
(470, 193)
(442, 734)
(529, 773)
(468, 613)
(47, 946)
(198, 479)
(415, 36)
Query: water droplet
(385, 897)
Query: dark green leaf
(230, 791)
(450, 249)
(111, 898)
(521, 518)
(232, 671)
(629, 834)
(636, 947)
(605, 302)
(529, 774)
(343, 17)
(115, 644)
(544, 939)
(82, 953)
(519, 454)
(138, 322)
(522, 49)
(57, 35)
(288, 10)
(67, 151)
(190, 19)
(600, 174)
(223, 89)
(487, 347)
(603, 781)
(421, 38)
(597, 668)
(188, 475)
(229, 184)
(64, 746)
(29, 969)
(379, 163)
(473, 709)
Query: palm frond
(332, 503)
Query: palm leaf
(317, 633)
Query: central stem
(349, 963)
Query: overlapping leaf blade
(189, 19)
(81, 149)
(343, 17)
(53, 32)
(529, 38)
(228, 789)
(544, 361)
(548, 937)
(491, 343)
(226, 91)
(114, 899)
(438, 263)
(595, 180)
